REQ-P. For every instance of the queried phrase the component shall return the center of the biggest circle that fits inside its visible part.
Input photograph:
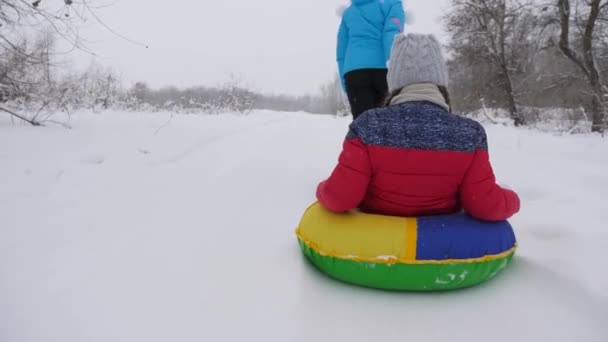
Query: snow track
(118, 231)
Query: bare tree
(330, 99)
(26, 68)
(494, 36)
(588, 17)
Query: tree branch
(588, 40)
(564, 41)
(31, 122)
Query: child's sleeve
(480, 196)
(346, 187)
(393, 24)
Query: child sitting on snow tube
(413, 157)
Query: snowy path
(110, 232)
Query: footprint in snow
(548, 233)
(93, 160)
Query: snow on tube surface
(430, 253)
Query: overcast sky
(275, 46)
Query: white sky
(275, 46)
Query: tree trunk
(508, 83)
(518, 120)
(597, 112)
(587, 62)
(594, 75)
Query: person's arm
(346, 187)
(341, 46)
(480, 195)
(393, 25)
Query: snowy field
(118, 231)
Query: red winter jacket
(416, 159)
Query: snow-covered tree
(330, 99)
(587, 22)
(28, 30)
(491, 40)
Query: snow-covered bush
(558, 120)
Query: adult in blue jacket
(365, 39)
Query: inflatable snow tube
(430, 253)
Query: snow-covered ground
(118, 231)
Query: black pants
(366, 89)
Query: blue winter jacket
(366, 34)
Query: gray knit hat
(416, 58)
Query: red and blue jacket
(416, 159)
